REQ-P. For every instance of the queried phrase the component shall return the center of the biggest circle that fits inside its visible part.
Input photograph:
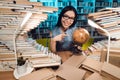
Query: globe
(80, 35)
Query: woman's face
(67, 19)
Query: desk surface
(7, 75)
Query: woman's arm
(53, 41)
(52, 45)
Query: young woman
(61, 37)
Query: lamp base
(28, 70)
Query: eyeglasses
(66, 17)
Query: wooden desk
(7, 75)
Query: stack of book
(17, 18)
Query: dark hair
(67, 8)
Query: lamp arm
(93, 24)
(26, 18)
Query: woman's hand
(53, 41)
(59, 37)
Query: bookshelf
(84, 7)
(99, 4)
(115, 3)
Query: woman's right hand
(59, 37)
